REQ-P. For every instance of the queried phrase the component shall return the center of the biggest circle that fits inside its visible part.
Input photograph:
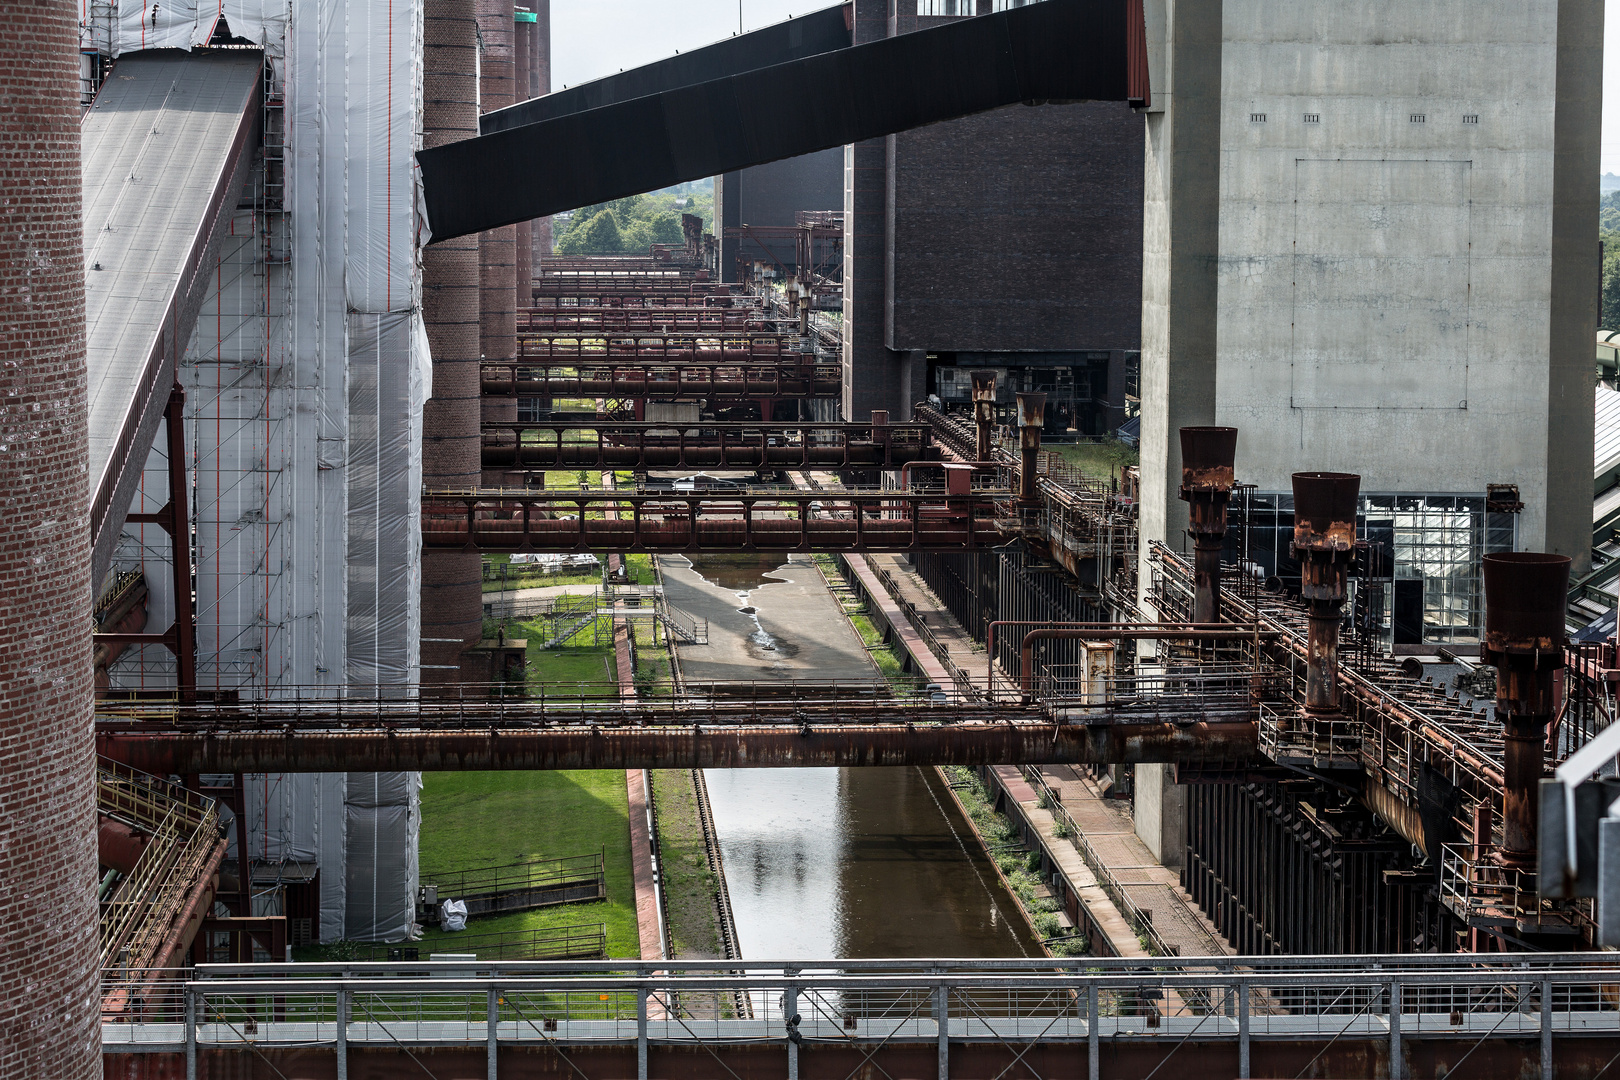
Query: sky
(593, 38)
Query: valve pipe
(1207, 457)
(984, 411)
(1324, 543)
(1524, 637)
(1031, 418)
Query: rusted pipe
(905, 468)
(1026, 654)
(984, 411)
(1325, 545)
(1525, 596)
(1031, 419)
(969, 742)
(1207, 458)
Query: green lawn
(1100, 459)
(473, 819)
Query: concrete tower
(49, 1020)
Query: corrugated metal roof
(156, 145)
(1606, 436)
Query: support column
(452, 590)
(48, 952)
(497, 248)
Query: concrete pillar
(49, 1022)
(1180, 243)
(868, 366)
(452, 596)
(497, 248)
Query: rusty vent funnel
(1323, 500)
(1207, 456)
(1525, 597)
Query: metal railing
(1141, 920)
(183, 832)
(962, 681)
(1371, 1003)
(583, 941)
(571, 878)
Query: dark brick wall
(49, 1021)
(774, 194)
(1018, 230)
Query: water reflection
(858, 863)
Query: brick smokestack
(539, 84)
(497, 248)
(522, 49)
(49, 1016)
(452, 597)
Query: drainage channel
(847, 863)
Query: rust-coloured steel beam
(664, 444)
(690, 747)
(1525, 595)
(1208, 455)
(563, 349)
(552, 521)
(632, 320)
(631, 378)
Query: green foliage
(1609, 317)
(1609, 213)
(598, 235)
(630, 226)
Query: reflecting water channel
(847, 863)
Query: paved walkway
(1151, 887)
(960, 648)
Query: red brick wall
(49, 1021)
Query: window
(1313, 118)
(1471, 118)
(1419, 118)
(1421, 572)
(1257, 118)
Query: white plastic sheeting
(305, 385)
(133, 25)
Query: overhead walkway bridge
(1216, 1017)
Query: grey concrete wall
(1386, 299)
(1018, 230)
(1181, 159)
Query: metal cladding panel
(819, 32)
(1062, 50)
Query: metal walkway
(1391, 1016)
(166, 148)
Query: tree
(597, 236)
(1609, 317)
(661, 228)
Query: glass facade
(1418, 580)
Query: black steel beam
(1059, 50)
(303, 749)
(818, 32)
